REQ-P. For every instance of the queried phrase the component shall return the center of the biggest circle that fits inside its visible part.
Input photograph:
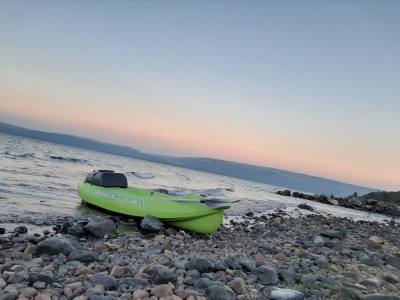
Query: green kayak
(109, 190)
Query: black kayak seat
(107, 178)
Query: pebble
(100, 227)
(217, 292)
(377, 239)
(238, 285)
(117, 271)
(42, 297)
(286, 294)
(104, 280)
(266, 275)
(28, 292)
(163, 290)
(140, 295)
(200, 264)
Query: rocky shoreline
(266, 256)
(363, 203)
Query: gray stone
(266, 275)
(305, 207)
(55, 245)
(286, 294)
(247, 264)
(200, 264)
(308, 278)
(161, 274)
(9, 296)
(318, 241)
(202, 284)
(100, 227)
(379, 297)
(151, 224)
(217, 292)
(393, 260)
(46, 277)
(334, 234)
(17, 277)
(83, 256)
(76, 230)
(372, 282)
(107, 281)
(101, 297)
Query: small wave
(215, 192)
(69, 159)
(142, 175)
(25, 155)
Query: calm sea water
(40, 178)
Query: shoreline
(260, 256)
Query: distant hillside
(267, 175)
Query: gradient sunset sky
(308, 86)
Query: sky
(307, 86)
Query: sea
(39, 178)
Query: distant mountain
(272, 176)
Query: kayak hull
(185, 212)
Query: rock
(151, 224)
(76, 230)
(140, 295)
(250, 214)
(202, 284)
(39, 285)
(318, 241)
(42, 297)
(73, 286)
(305, 206)
(247, 264)
(286, 193)
(217, 292)
(30, 249)
(372, 282)
(266, 275)
(163, 290)
(389, 277)
(393, 260)
(334, 234)
(46, 277)
(100, 227)
(379, 297)
(355, 202)
(9, 295)
(308, 279)
(377, 239)
(83, 256)
(103, 279)
(28, 292)
(333, 201)
(54, 246)
(371, 201)
(20, 229)
(200, 264)
(17, 277)
(238, 285)
(117, 271)
(2, 283)
(101, 297)
(161, 274)
(286, 294)
(2, 230)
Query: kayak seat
(107, 178)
